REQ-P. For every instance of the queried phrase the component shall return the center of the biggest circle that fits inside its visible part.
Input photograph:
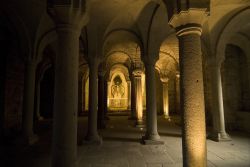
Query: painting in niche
(117, 88)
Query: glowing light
(165, 98)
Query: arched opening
(118, 92)
(235, 82)
(47, 93)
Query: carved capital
(164, 79)
(177, 74)
(137, 72)
(164, 76)
(68, 17)
(189, 22)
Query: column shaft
(219, 132)
(129, 95)
(38, 94)
(192, 101)
(101, 102)
(138, 99)
(83, 95)
(28, 103)
(64, 149)
(106, 100)
(165, 100)
(92, 135)
(133, 100)
(151, 135)
(177, 93)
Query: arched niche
(235, 84)
(118, 89)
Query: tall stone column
(165, 98)
(219, 132)
(138, 97)
(66, 99)
(80, 93)
(38, 99)
(191, 86)
(129, 95)
(83, 94)
(101, 100)
(133, 100)
(151, 136)
(106, 101)
(68, 26)
(177, 93)
(92, 134)
(28, 103)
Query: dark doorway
(47, 93)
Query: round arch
(233, 25)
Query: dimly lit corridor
(124, 83)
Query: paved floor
(121, 148)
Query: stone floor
(121, 148)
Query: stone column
(92, 134)
(68, 26)
(165, 98)
(151, 136)
(38, 95)
(129, 95)
(83, 94)
(101, 101)
(138, 97)
(133, 102)
(28, 103)
(80, 94)
(191, 82)
(106, 100)
(177, 93)
(64, 152)
(108, 91)
(219, 132)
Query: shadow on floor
(169, 134)
(121, 139)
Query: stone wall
(13, 94)
(235, 85)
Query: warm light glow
(87, 95)
(165, 98)
(117, 92)
(139, 107)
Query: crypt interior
(125, 83)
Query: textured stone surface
(192, 100)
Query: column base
(152, 140)
(219, 137)
(92, 140)
(140, 125)
(167, 117)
